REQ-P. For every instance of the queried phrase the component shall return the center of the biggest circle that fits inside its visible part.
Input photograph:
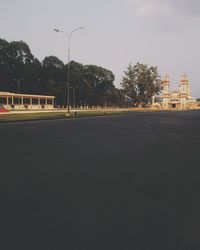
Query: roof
(9, 94)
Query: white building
(14, 101)
(180, 99)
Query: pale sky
(163, 33)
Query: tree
(91, 84)
(19, 56)
(4, 45)
(4, 67)
(53, 67)
(32, 76)
(19, 52)
(97, 81)
(18, 62)
(53, 78)
(141, 83)
(76, 82)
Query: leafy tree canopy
(52, 62)
(90, 84)
(141, 82)
(96, 82)
(3, 51)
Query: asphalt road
(129, 182)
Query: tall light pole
(18, 87)
(68, 77)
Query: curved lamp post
(18, 84)
(68, 77)
(18, 88)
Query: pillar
(153, 100)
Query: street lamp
(69, 39)
(18, 87)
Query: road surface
(129, 182)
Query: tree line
(90, 85)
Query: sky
(162, 33)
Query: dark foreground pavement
(128, 182)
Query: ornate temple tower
(165, 92)
(184, 90)
(180, 99)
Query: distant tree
(19, 56)
(4, 66)
(97, 81)
(53, 67)
(141, 82)
(19, 53)
(4, 45)
(76, 82)
(53, 78)
(120, 98)
(76, 73)
(18, 62)
(91, 84)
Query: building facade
(14, 101)
(180, 99)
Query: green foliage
(19, 53)
(53, 78)
(90, 84)
(141, 82)
(97, 82)
(18, 62)
(4, 65)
